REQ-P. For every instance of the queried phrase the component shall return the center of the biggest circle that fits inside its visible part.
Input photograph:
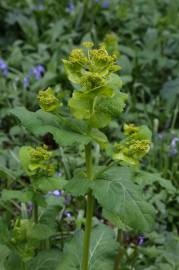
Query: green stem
(119, 254)
(174, 117)
(35, 213)
(89, 211)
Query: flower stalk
(89, 211)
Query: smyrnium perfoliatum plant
(97, 99)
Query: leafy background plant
(43, 33)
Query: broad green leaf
(114, 218)
(45, 260)
(4, 253)
(41, 232)
(126, 200)
(22, 196)
(40, 123)
(49, 183)
(103, 248)
(79, 185)
(13, 262)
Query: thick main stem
(89, 211)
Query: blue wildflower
(105, 4)
(70, 7)
(140, 240)
(26, 81)
(173, 146)
(38, 71)
(4, 68)
(68, 214)
(56, 193)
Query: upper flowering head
(48, 101)
(134, 146)
(36, 160)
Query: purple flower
(70, 7)
(68, 214)
(105, 4)
(26, 81)
(140, 240)
(4, 68)
(56, 193)
(173, 146)
(38, 71)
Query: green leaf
(170, 91)
(103, 248)
(13, 262)
(24, 157)
(40, 123)
(73, 71)
(99, 137)
(49, 183)
(114, 218)
(126, 200)
(22, 196)
(41, 232)
(79, 185)
(5, 172)
(4, 253)
(144, 178)
(45, 260)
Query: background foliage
(35, 37)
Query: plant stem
(89, 211)
(35, 213)
(119, 254)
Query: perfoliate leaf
(73, 71)
(102, 252)
(125, 199)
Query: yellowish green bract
(98, 97)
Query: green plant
(96, 99)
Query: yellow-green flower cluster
(48, 101)
(36, 160)
(134, 146)
(98, 88)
